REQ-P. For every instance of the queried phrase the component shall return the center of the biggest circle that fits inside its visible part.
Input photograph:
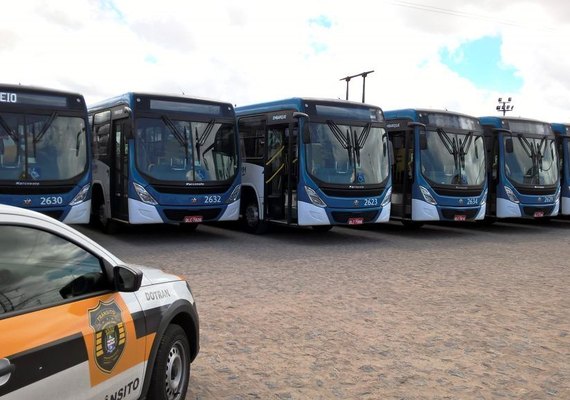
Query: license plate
(355, 221)
(460, 218)
(538, 214)
(192, 219)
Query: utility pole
(363, 75)
(505, 105)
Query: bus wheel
(322, 228)
(408, 223)
(252, 223)
(107, 224)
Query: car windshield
(451, 158)
(532, 161)
(187, 151)
(42, 147)
(347, 153)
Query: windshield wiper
(179, 136)
(46, 126)
(359, 142)
(202, 139)
(450, 145)
(344, 141)
(8, 130)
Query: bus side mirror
(423, 141)
(509, 145)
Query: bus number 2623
(51, 201)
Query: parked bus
(314, 162)
(523, 168)
(562, 133)
(439, 166)
(45, 151)
(164, 159)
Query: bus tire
(171, 372)
(322, 228)
(251, 221)
(107, 224)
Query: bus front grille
(450, 213)
(533, 211)
(342, 217)
(207, 214)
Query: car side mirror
(127, 279)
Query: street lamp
(363, 75)
(505, 106)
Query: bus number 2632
(51, 201)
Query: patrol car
(78, 323)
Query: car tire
(171, 373)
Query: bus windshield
(533, 160)
(346, 154)
(186, 151)
(453, 158)
(42, 147)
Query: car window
(39, 268)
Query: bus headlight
(484, 198)
(387, 198)
(81, 196)
(511, 195)
(314, 197)
(427, 196)
(235, 194)
(144, 195)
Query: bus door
(119, 179)
(403, 170)
(274, 171)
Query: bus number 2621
(51, 201)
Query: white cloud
(252, 50)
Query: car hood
(153, 276)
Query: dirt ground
(439, 313)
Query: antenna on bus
(363, 75)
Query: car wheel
(171, 372)
(252, 223)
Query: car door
(64, 332)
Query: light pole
(363, 75)
(505, 106)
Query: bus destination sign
(33, 99)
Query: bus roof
(129, 99)
(413, 113)
(295, 103)
(40, 97)
(561, 129)
(526, 125)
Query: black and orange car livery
(77, 323)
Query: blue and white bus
(164, 159)
(523, 168)
(439, 166)
(314, 162)
(45, 152)
(562, 132)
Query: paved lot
(384, 313)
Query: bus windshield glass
(453, 158)
(186, 151)
(42, 147)
(348, 154)
(533, 160)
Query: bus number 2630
(51, 201)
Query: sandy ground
(440, 313)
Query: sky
(444, 54)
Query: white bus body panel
(253, 177)
(385, 214)
(556, 209)
(481, 215)
(79, 214)
(309, 214)
(507, 209)
(423, 211)
(142, 213)
(565, 206)
(231, 213)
